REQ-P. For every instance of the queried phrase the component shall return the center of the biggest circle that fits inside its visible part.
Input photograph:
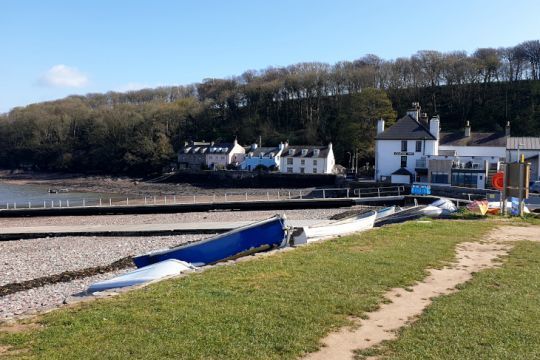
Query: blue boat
(245, 240)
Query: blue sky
(51, 49)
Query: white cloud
(63, 76)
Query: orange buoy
(498, 181)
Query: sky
(52, 49)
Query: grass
(276, 307)
(495, 316)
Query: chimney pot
(468, 129)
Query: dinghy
(140, 276)
(385, 212)
(402, 215)
(345, 226)
(245, 240)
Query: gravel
(29, 259)
(46, 297)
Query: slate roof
(221, 148)
(476, 139)
(263, 150)
(297, 151)
(406, 128)
(528, 143)
(402, 171)
(195, 148)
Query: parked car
(535, 187)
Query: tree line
(138, 132)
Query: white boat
(387, 211)
(142, 275)
(447, 206)
(431, 211)
(345, 226)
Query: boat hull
(342, 227)
(239, 242)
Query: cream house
(307, 159)
(220, 155)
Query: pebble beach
(23, 260)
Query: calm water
(38, 194)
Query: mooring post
(29, 205)
(100, 204)
(300, 194)
(83, 202)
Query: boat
(143, 275)
(245, 240)
(478, 207)
(385, 212)
(356, 223)
(402, 215)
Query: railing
(327, 193)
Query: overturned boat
(245, 240)
(143, 275)
(385, 212)
(345, 226)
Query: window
(403, 145)
(418, 146)
(289, 169)
(314, 170)
(439, 177)
(302, 170)
(464, 179)
(289, 161)
(403, 161)
(303, 162)
(314, 162)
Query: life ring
(498, 181)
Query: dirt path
(406, 306)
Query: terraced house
(306, 159)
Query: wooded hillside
(307, 103)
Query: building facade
(529, 147)
(267, 157)
(193, 155)
(307, 159)
(221, 155)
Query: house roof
(297, 151)
(195, 148)
(527, 143)
(406, 128)
(402, 171)
(497, 139)
(263, 150)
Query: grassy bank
(273, 307)
(495, 316)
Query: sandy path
(406, 306)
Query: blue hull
(259, 236)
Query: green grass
(495, 316)
(276, 307)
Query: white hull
(382, 213)
(340, 227)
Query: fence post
(225, 197)
(301, 194)
(323, 193)
(100, 204)
(52, 203)
(67, 203)
(154, 200)
(14, 205)
(29, 204)
(378, 192)
(289, 195)
(398, 188)
(60, 202)
(214, 198)
(267, 196)
(165, 199)
(44, 205)
(145, 200)
(246, 196)
(83, 202)
(174, 199)
(194, 199)
(347, 193)
(127, 201)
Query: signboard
(515, 206)
(403, 153)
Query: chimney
(468, 129)
(507, 129)
(380, 126)
(424, 119)
(281, 146)
(254, 146)
(330, 145)
(434, 126)
(414, 112)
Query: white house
(269, 157)
(307, 159)
(403, 147)
(220, 155)
(415, 150)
